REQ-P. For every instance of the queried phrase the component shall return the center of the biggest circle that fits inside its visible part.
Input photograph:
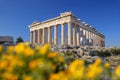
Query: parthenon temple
(65, 29)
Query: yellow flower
(53, 67)
(12, 63)
(1, 49)
(60, 58)
(9, 69)
(3, 64)
(52, 54)
(107, 65)
(4, 56)
(20, 48)
(27, 78)
(97, 62)
(28, 52)
(9, 76)
(54, 77)
(20, 63)
(44, 49)
(41, 63)
(10, 49)
(26, 43)
(33, 64)
(117, 71)
(62, 75)
(11, 57)
(77, 69)
(37, 48)
(93, 71)
(76, 65)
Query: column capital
(56, 25)
(62, 24)
(69, 23)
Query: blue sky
(16, 15)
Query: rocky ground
(87, 53)
(113, 60)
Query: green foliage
(115, 51)
(70, 56)
(109, 52)
(19, 40)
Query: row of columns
(76, 35)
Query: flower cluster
(21, 62)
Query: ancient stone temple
(72, 32)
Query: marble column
(87, 37)
(69, 33)
(87, 34)
(84, 32)
(49, 35)
(91, 35)
(99, 40)
(31, 36)
(43, 36)
(74, 35)
(55, 34)
(40, 36)
(36, 36)
(78, 36)
(81, 35)
(95, 40)
(91, 38)
(38, 41)
(46, 35)
(84, 37)
(62, 34)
